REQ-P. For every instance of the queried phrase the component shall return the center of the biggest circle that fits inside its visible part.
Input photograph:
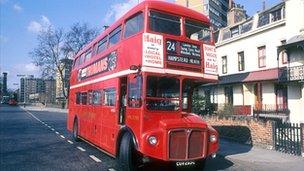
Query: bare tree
(78, 36)
(56, 47)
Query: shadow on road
(234, 139)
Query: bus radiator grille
(186, 144)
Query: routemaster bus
(131, 87)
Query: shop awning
(234, 78)
(263, 75)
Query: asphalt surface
(38, 140)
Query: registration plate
(185, 163)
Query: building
(291, 75)
(1, 82)
(66, 66)
(37, 90)
(215, 9)
(250, 63)
(4, 83)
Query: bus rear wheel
(75, 130)
(128, 158)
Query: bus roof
(150, 4)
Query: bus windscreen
(163, 93)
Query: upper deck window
(102, 44)
(164, 23)
(115, 36)
(88, 55)
(196, 30)
(134, 25)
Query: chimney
(264, 5)
(230, 4)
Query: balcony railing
(295, 73)
(273, 109)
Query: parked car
(12, 102)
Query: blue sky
(21, 20)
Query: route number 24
(171, 46)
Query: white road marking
(33, 116)
(62, 136)
(57, 132)
(53, 129)
(95, 158)
(111, 169)
(80, 148)
(49, 127)
(70, 142)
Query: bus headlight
(152, 140)
(212, 138)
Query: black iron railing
(295, 73)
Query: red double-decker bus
(131, 87)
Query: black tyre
(75, 130)
(128, 158)
(200, 164)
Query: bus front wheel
(127, 157)
(75, 130)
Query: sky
(21, 21)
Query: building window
(262, 56)
(276, 15)
(284, 57)
(224, 64)
(115, 36)
(109, 97)
(281, 94)
(134, 25)
(263, 19)
(234, 31)
(246, 27)
(241, 61)
(284, 53)
(226, 34)
(228, 95)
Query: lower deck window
(109, 97)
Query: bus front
(178, 55)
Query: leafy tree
(198, 103)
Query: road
(38, 140)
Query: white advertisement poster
(153, 50)
(210, 60)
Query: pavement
(42, 108)
(235, 151)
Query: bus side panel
(70, 116)
(110, 120)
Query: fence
(288, 138)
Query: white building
(250, 61)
